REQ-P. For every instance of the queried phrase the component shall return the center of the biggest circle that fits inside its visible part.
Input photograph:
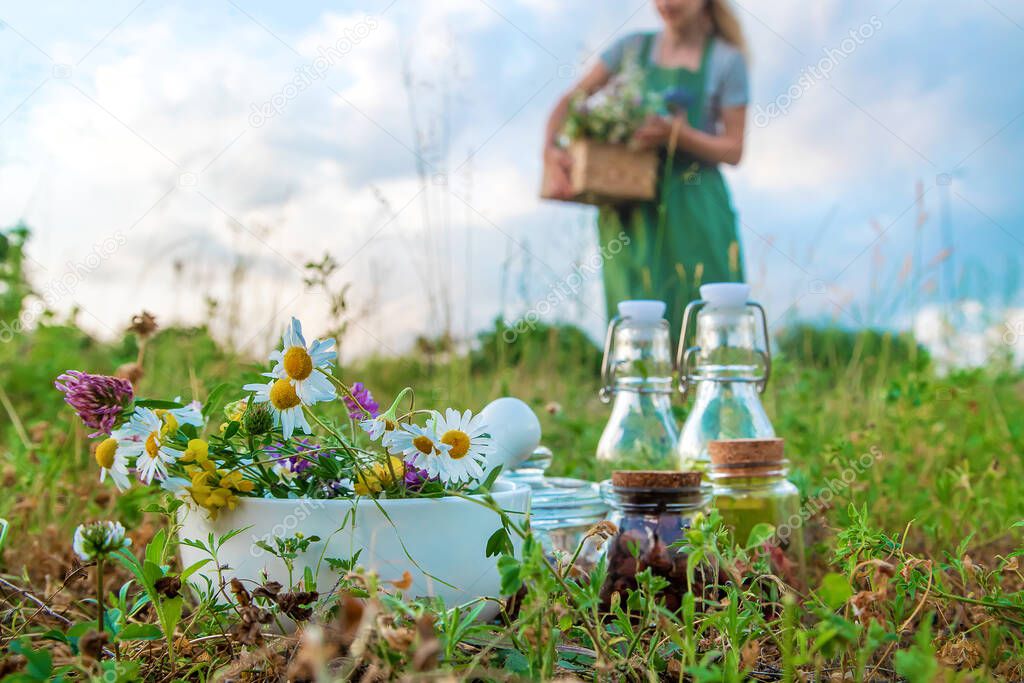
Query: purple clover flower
(296, 463)
(363, 400)
(98, 399)
(415, 478)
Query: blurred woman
(687, 235)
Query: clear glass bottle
(652, 511)
(726, 369)
(562, 509)
(637, 372)
(750, 488)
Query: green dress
(669, 256)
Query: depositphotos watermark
(307, 74)
(58, 289)
(819, 71)
(823, 498)
(566, 288)
(288, 525)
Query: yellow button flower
(379, 476)
(198, 451)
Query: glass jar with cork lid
(750, 488)
(652, 511)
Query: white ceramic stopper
(725, 294)
(642, 310)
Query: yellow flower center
(458, 440)
(283, 396)
(423, 444)
(153, 445)
(298, 363)
(105, 453)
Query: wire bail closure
(608, 372)
(685, 355)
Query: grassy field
(914, 560)
(924, 538)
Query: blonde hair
(725, 25)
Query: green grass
(925, 536)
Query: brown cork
(738, 452)
(655, 479)
(746, 457)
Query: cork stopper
(655, 479)
(746, 457)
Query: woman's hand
(656, 131)
(558, 167)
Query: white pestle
(514, 430)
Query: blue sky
(163, 153)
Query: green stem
(100, 610)
(344, 445)
(575, 556)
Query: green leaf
(55, 635)
(487, 484)
(151, 573)
(517, 663)
(39, 662)
(80, 629)
(499, 544)
(170, 612)
(511, 574)
(140, 632)
(116, 671)
(213, 398)
(193, 568)
(835, 590)
(112, 620)
(155, 548)
(232, 429)
(917, 664)
(308, 580)
(156, 404)
(759, 534)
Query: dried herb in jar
(652, 510)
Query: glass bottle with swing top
(725, 370)
(637, 376)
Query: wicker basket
(605, 173)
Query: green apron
(668, 257)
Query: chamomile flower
(378, 427)
(173, 418)
(113, 460)
(284, 402)
(145, 436)
(461, 445)
(412, 441)
(385, 426)
(298, 364)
